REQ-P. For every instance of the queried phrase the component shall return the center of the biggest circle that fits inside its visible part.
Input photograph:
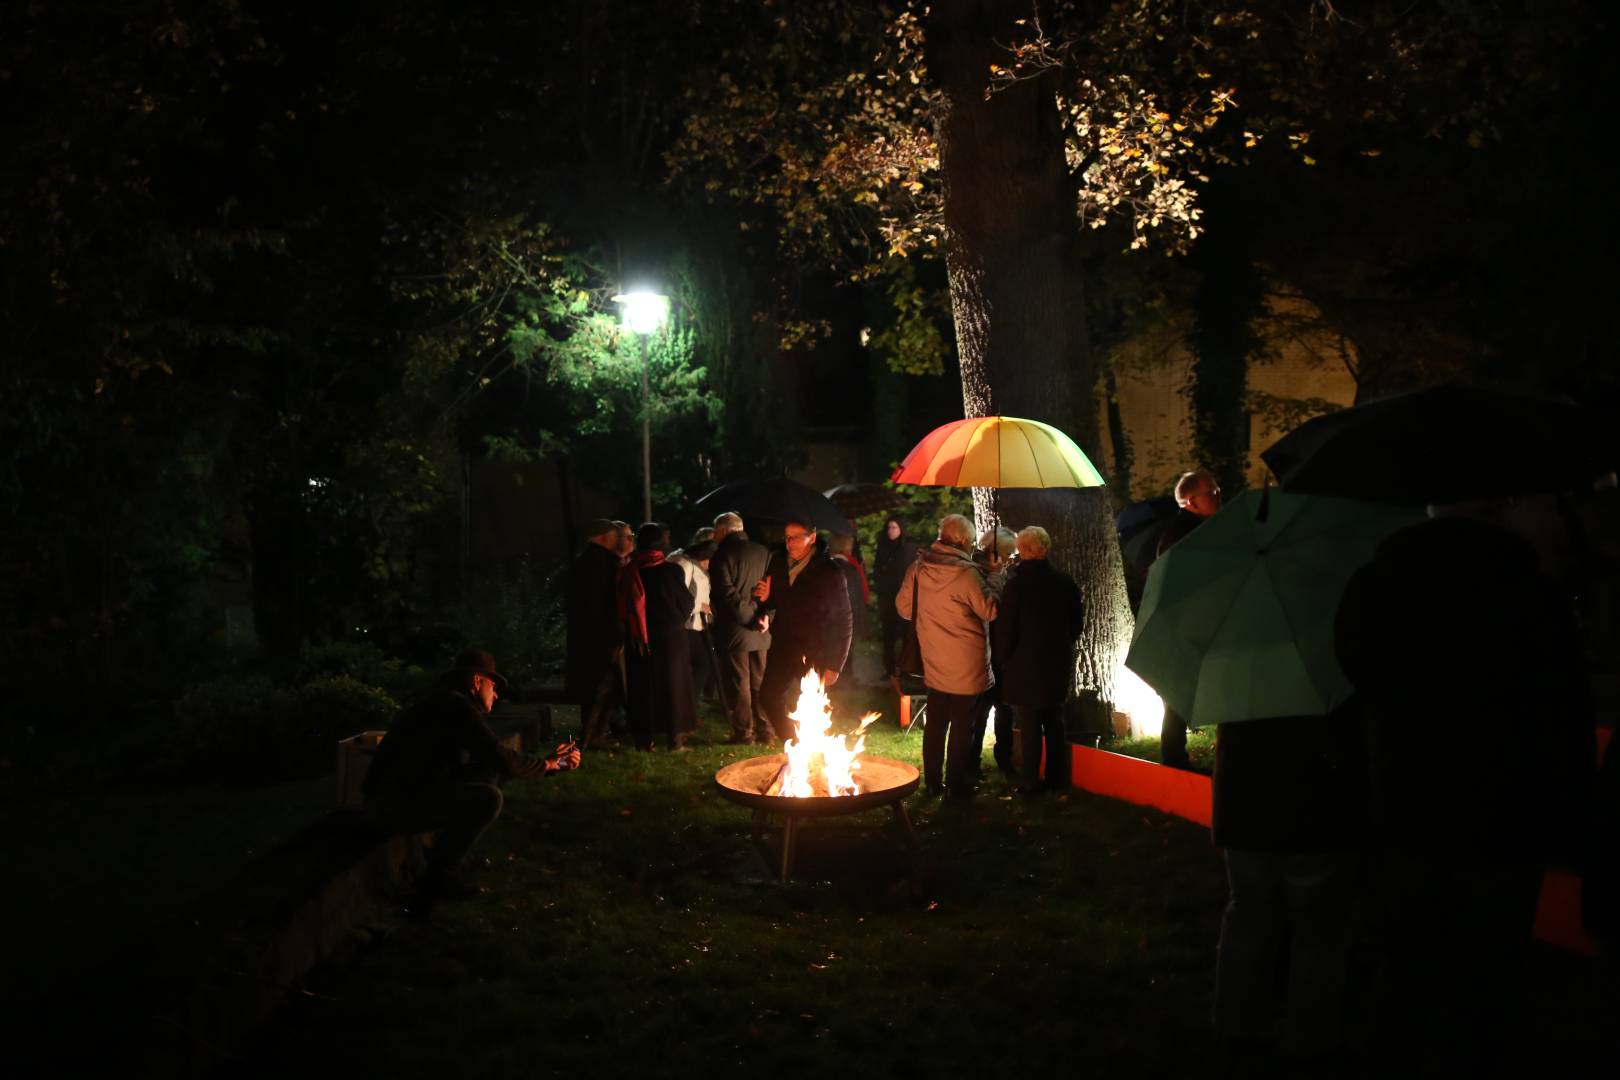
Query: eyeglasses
(796, 538)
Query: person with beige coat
(955, 603)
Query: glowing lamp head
(644, 312)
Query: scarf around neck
(632, 596)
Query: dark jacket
(442, 739)
(1453, 624)
(810, 618)
(893, 559)
(737, 565)
(1293, 783)
(661, 697)
(1183, 523)
(857, 594)
(593, 623)
(1032, 639)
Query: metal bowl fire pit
(882, 782)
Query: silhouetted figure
(1198, 496)
(1454, 632)
(739, 564)
(655, 604)
(894, 557)
(440, 767)
(594, 677)
(1037, 623)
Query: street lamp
(644, 313)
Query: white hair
(1035, 540)
(731, 521)
(956, 530)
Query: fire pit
(818, 775)
(884, 782)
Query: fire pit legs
(907, 833)
(790, 833)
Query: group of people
(641, 617)
(995, 627)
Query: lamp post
(644, 313)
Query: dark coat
(593, 623)
(660, 681)
(1292, 783)
(810, 619)
(1453, 623)
(442, 739)
(1183, 523)
(1032, 639)
(737, 565)
(894, 558)
(857, 596)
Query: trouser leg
(1247, 957)
(1173, 741)
(1320, 892)
(894, 632)
(756, 680)
(953, 713)
(778, 693)
(934, 733)
(461, 814)
(1040, 730)
(978, 722)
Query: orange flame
(820, 763)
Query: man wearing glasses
(804, 604)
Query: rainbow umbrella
(997, 452)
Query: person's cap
(477, 662)
(598, 526)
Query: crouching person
(439, 769)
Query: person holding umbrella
(804, 604)
(955, 601)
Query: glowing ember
(819, 763)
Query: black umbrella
(1140, 525)
(858, 500)
(1446, 444)
(777, 500)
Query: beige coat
(954, 607)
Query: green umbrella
(1236, 622)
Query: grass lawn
(629, 926)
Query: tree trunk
(1011, 250)
(1231, 296)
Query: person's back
(1038, 620)
(954, 602)
(737, 566)
(427, 746)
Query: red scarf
(866, 589)
(632, 599)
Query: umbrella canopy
(858, 500)
(1140, 525)
(1447, 444)
(775, 499)
(997, 452)
(1236, 622)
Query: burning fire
(819, 763)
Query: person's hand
(707, 610)
(829, 677)
(567, 757)
(993, 561)
(762, 591)
(764, 624)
